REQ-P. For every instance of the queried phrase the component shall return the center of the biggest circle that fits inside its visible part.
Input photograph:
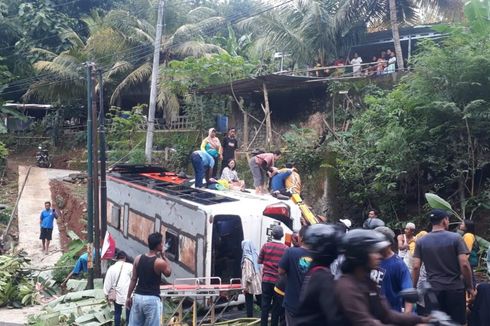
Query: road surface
(36, 192)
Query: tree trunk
(245, 124)
(396, 34)
(267, 113)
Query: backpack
(474, 253)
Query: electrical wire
(234, 20)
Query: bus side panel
(143, 212)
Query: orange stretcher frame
(171, 177)
(203, 288)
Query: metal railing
(367, 69)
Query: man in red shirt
(269, 257)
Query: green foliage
(193, 73)
(429, 134)
(186, 76)
(65, 264)
(302, 148)
(3, 152)
(16, 286)
(123, 127)
(182, 146)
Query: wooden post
(245, 123)
(267, 113)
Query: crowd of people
(283, 182)
(383, 64)
(332, 275)
(335, 275)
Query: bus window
(226, 247)
(171, 245)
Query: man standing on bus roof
(46, 222)
(146, 306)
(230, 145)
(203, 164)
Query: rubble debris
(76, 178)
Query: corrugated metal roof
(28, 106)
(274, 82)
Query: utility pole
(103, 184)
(90, 180)
(95, 176)
(154, 82)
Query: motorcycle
(42, 158)
(438, 318)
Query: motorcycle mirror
(410, 295)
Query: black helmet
(323, 241)
(373, 223)
(358, 243)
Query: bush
(302, 148)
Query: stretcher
(211, 289)
(170, 177)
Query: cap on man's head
(437, 214)
(277, 232)
(346, 222)
(410, 225)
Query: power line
(71, 30)
(235, 19)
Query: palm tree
(312, 29)
(404, 10)
(122, 45)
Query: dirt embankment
(69, 199)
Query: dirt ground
(70, 198)
(31, 203)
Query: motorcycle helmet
(375, 223)
(323, 241)
(359, 243)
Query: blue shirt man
(294, 264)
(203, 164)
(278, 181)
(46, 222)
(392, 275)
(396, 278)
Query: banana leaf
(437, 202)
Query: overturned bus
(202, 229)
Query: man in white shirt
(356, 65)
(118, 278)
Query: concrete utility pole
(154, 83)
(90, 179)
(102, 148)
(95, 171)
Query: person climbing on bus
(203, 164)
(278, 184)
(293, 181)
(212, 146)
(262, 165)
